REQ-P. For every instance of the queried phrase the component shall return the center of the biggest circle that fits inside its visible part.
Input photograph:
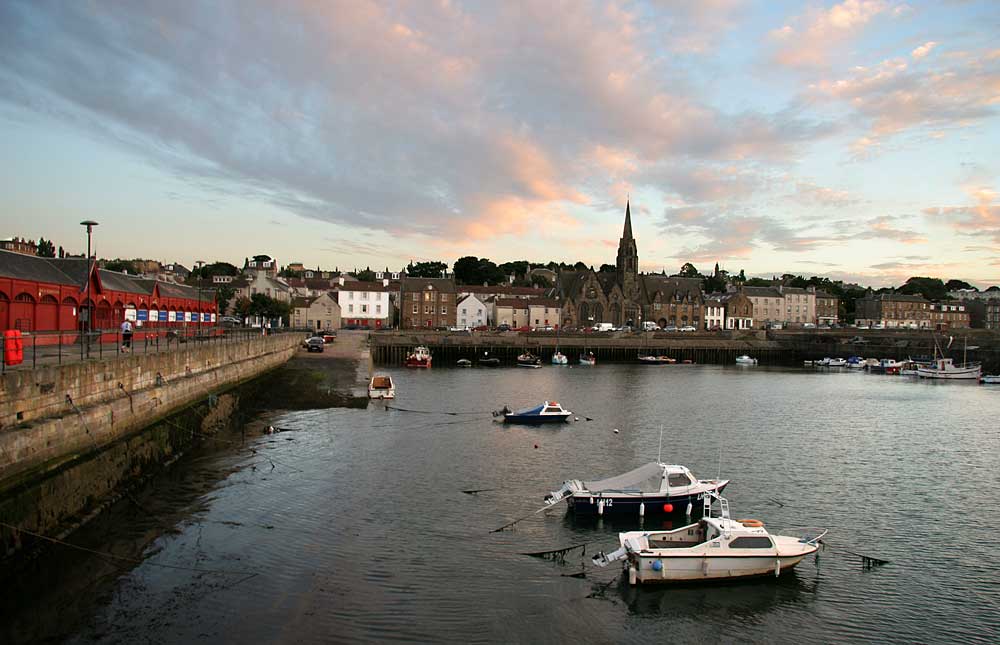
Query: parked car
(687, 328)
(670, 328)
(230, 320)
(503, 327)
(328, 335)
(481, 328)
(809, 325)
(315, 344)
(524, 328)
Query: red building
(49, 294)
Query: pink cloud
(811, 39)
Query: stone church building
(626, 296)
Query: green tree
(689, 270)
(517, 268)
(951, 285)
(119, 265)
(431, 269)
(289, 273)
(930, 288)
(46, 249)
(365, 276)
(223, 296)
(267, 307)
(993, 288)
(473, 270)
(579, 266)
(606, 268)
(757, 282)
(540, 281)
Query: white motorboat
(381, 387)
(419, 357)
(746, 360)
(527, 359)
(464, 362)
(807, 363)
(837, 362)
(908, 368)
(823, 362)
(651, 489)
(657, 360)
(991, 379)
(945, 368)
(559, 358)
(588, 358)
(713, 548)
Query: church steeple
(627, 231)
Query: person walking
(126, 336)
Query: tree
(993, 288)
(119, 265)
(930, 288)
(579, 266)
(289, 273)
(431, 269)
(516, 268)
(365, 276)
(216, 268)
(267, 307)
(45, 248)
(223, 296)
(689, 270)
(473, 270)
(540, 281)
(607, 268)
(757, 282)
(951, 285)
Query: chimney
(385, 282)
(340, 280)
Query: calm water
(360, 531)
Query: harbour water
(352, 524)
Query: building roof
(504, 289)
(31, 267)
(445, 285)
(895, 297)
(761, 292)
(363, 286)
(516, 303)
(671, 287)
(823, 294)
(545, 302)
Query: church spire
(627, 231)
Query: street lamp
(90, 224)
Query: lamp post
(90, 224)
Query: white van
(649, 325)
(604, 327)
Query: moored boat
(464, 362)
(746, 360)
(559, 358)
(588, 358)
(855, 363)
(419, 357)
(837, 362)
(527, 359)
(657, 360)
(651, 489)
(381, 387)
(991, 379)
(488, 361)
(713, 548)
(547, 412)
(945, 368)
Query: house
(264, 263)
(544, 312)
(729, 310)
(800, 305)
(827, 308)
(502, 291)
(768, 305)
(893, 310)
(949, 314)
(318, 313)
(265, 283)
(364, 304)
(991, 315)
(427, 302)
(471, 312)
(511, 311)
(19, 245)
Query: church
(625, 296)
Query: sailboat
(559, 358)
(945, 368)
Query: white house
(364, 304)
(472, 312)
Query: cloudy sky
(856, 139)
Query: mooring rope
(455, 413)
(122, 558)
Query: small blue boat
(548, 412)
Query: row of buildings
(72, 294)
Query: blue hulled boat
(548, 412)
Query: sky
(856, 140)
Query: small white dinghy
(714, 548)
(381, 387)
(746, 360)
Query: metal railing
(59, 347)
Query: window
(364, 295)
(427, 309)
(427, 296)
(748, 542)
(378, 309)
(463, 311)
(678, 479)
(350, 309)
(364, 309)
(415, 309)
(444, 311)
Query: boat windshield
(678, 479)
(552, 409)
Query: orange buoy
(750, 524)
